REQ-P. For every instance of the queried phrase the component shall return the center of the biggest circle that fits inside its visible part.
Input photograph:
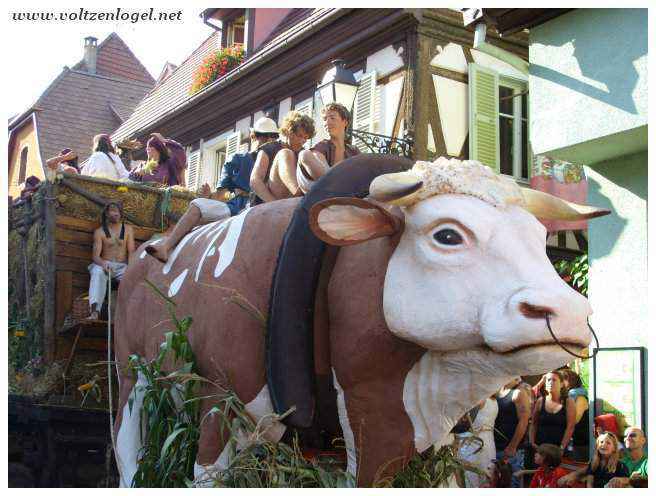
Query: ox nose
(568, 312)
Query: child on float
(548, 458)
(605, 464)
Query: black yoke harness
(290, 337)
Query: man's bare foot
(159, 252)
(93, 315)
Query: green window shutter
(484, 116)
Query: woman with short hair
(274, 173)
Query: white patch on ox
(268, 428)
(210, 247)
(177, 283)
(229, 246)
(347, 432)
(441, 387)
(196, 233)
(128, 440)
(149, 243)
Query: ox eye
(448, 237)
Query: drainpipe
(499, 53)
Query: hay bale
(142, 203)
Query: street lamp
(339, 86)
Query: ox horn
(395, 188)
(549, 207)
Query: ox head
(470, 269)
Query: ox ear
(348, 221)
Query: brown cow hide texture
(370, 363)
(227, 340)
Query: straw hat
(264, 125)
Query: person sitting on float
(66, 161)
(315, 162)
(274, 174)
(162, 165)
(235, 177)
(104, 162)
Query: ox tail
(289, 338)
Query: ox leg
(215, 447)
(128, 435)
(378, 445)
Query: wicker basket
(81, 308)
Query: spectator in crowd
(66, 161)
(581, 435)
(163, 166)
(634, 457)
(605, 464)
(104, 162)
(315, 162)
(113, 243)
(274, 173)
(548, 458)
(235, 178)
(476, 440)
(510, 426)
(554, 414)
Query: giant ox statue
(436, 298)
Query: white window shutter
(364, 107)
(320, 131)
(232, 144)
(244, 147)
(484, 116)
(193, 163)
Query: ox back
(289, 338)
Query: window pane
(239, 34)
(505, 100)
(524, 149)
(506, 145)
(524, 106)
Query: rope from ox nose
(594, 352)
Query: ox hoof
(154, 252)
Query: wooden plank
(435, 120)
(72, 264)
(72, 250)
(82, 225)
(76, 224)
(80, 281)
(49, 279)
(70, 236)
(449, 74)
(64, 344)
(64, 287)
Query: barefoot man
(113, 243)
